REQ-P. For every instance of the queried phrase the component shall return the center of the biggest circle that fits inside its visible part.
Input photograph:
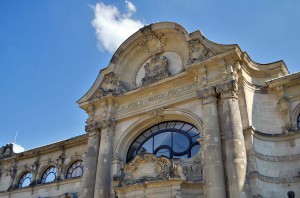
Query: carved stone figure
(155, 70)
(6, 151)
(110, 85)
(198, 51)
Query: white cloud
(17, 148)
(113, 28)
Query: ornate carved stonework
(222, 65)
(152, 43)
(6, 151)
(155, 70)
(156, 113)
(228, 90)
(198, 51)
(97, 126)
(207, 95)
(147, 167)
(110, 85)
(201, 76)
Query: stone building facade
(173, 115)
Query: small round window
(172, 139)
(49, 175)
(25, 180)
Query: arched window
(75, 170)
(172, 139)
(25, 180)
(49, 175)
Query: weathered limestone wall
(60, 154)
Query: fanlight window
(75, 170)
(25, 180)
(172, 139)
(49, 175)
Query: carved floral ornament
(147, 167)
(225, 90)
(110, 85)
(152, 42)
(98, 126)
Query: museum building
(173, 115)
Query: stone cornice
(272, 137)
(64, 144)
(275, 180)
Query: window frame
(177, 128)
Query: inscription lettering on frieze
(160, 96)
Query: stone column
(103, 175)
(212, 148)
(91, 158)
(234, 139)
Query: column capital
(207, 95)
(228, 89)
(99, 125)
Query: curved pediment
(155, 52)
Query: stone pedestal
(90, 164)
(212, 148)
(234, 139)
(103, 175)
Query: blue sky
(51, 51)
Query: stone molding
(275, 180)
(207, 95)
(272, 137)
(98, 126)
(281, 158)
(228, 89)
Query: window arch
(49, 175)
(172, 139)
(25, 180)
(75, 170)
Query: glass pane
(26, 182)
(179, 125)
(163, 125)
(180, 142)
(181, 156)
(162, 139)
(170, 125)
(187, 127)
(163, 152)
(77, 172)
(195, 149)
(50, 177)
(148, 145)
(154, 129)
